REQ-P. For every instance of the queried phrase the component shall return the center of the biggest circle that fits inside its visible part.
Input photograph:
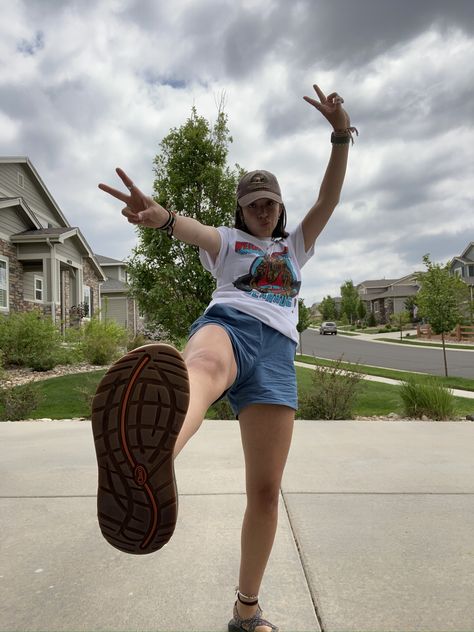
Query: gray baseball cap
(255, 185)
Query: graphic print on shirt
(271, 277)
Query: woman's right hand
(140, 208)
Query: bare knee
(264, 497)
(210, 363)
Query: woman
(153, 400)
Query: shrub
(30, 339)
(222, 409)
(103, 341)
(137, 341)
(431, 399)
(18, 403)
(333, 392)
(371, 320)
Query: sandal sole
(137, 414)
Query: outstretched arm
(330, 190)
(142, 210)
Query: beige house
(463, 266)
(45, 262)
(116, 303)
(384, 297)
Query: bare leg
(266, 431)
(209, 358)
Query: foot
(246, 612)
(137, 413)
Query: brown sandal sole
(137, 413)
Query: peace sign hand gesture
(331, 108)
(140, 208)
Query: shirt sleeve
(214, 265)
(296, 239)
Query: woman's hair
(279, 228)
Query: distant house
(116, 303)
(463, 266)
(384, 297)
(45, 262)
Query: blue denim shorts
(264, 357)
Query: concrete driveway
(376, 533)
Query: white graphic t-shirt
(260, 277)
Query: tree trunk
(301, 344)
(444, 355)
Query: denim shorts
(264, 357)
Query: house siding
(31, 191)
(11, 222)
(68, 250)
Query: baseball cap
(255, 185)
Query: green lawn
(451, 382)
(62, 397)
(419, 343)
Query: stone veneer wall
(90, 278)
(15, 276)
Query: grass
(419, 343)
(462, 383)
(62, 399)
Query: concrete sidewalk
(376, 533)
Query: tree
(400, 319)
(327, 308)
(361, 310)
(192, 178)
(440, 299)
(350, 300)
(304, 320)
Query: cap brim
(258, 195)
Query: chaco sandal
(237, 624)
(137, 413)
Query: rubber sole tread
(137, 414)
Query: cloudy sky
(86, 86)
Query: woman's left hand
(331, 108)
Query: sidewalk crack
(298, 548)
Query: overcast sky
(86, 86)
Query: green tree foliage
(304, 320)
(399, 320)
(361, 310)
(441, 299)
(192, 178)
(350, 300)
(327, 308)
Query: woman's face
(261, 217)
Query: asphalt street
(390, 356)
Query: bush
(137, 341)
(222, 409)
(431, 399)
(18, 403)
(30, 339)
(103, 341)
(333, 393)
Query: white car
(328, 328)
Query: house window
(3, 283)
(88, 301)
(38, 289)
(21, 180)
(471, 271)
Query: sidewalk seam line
(295, 539)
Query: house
(115, 300)
(45, 262)
(463, 266)
(384, 297)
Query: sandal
(137, 413)
(237, 624)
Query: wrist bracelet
(343, 136)
(168, 226)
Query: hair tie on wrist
(343, 136)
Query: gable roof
(11, 202)
(464, 252)
(108, 261)
(27, 162)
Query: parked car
(328, 328)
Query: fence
(461, 333)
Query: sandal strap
(249, 625)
